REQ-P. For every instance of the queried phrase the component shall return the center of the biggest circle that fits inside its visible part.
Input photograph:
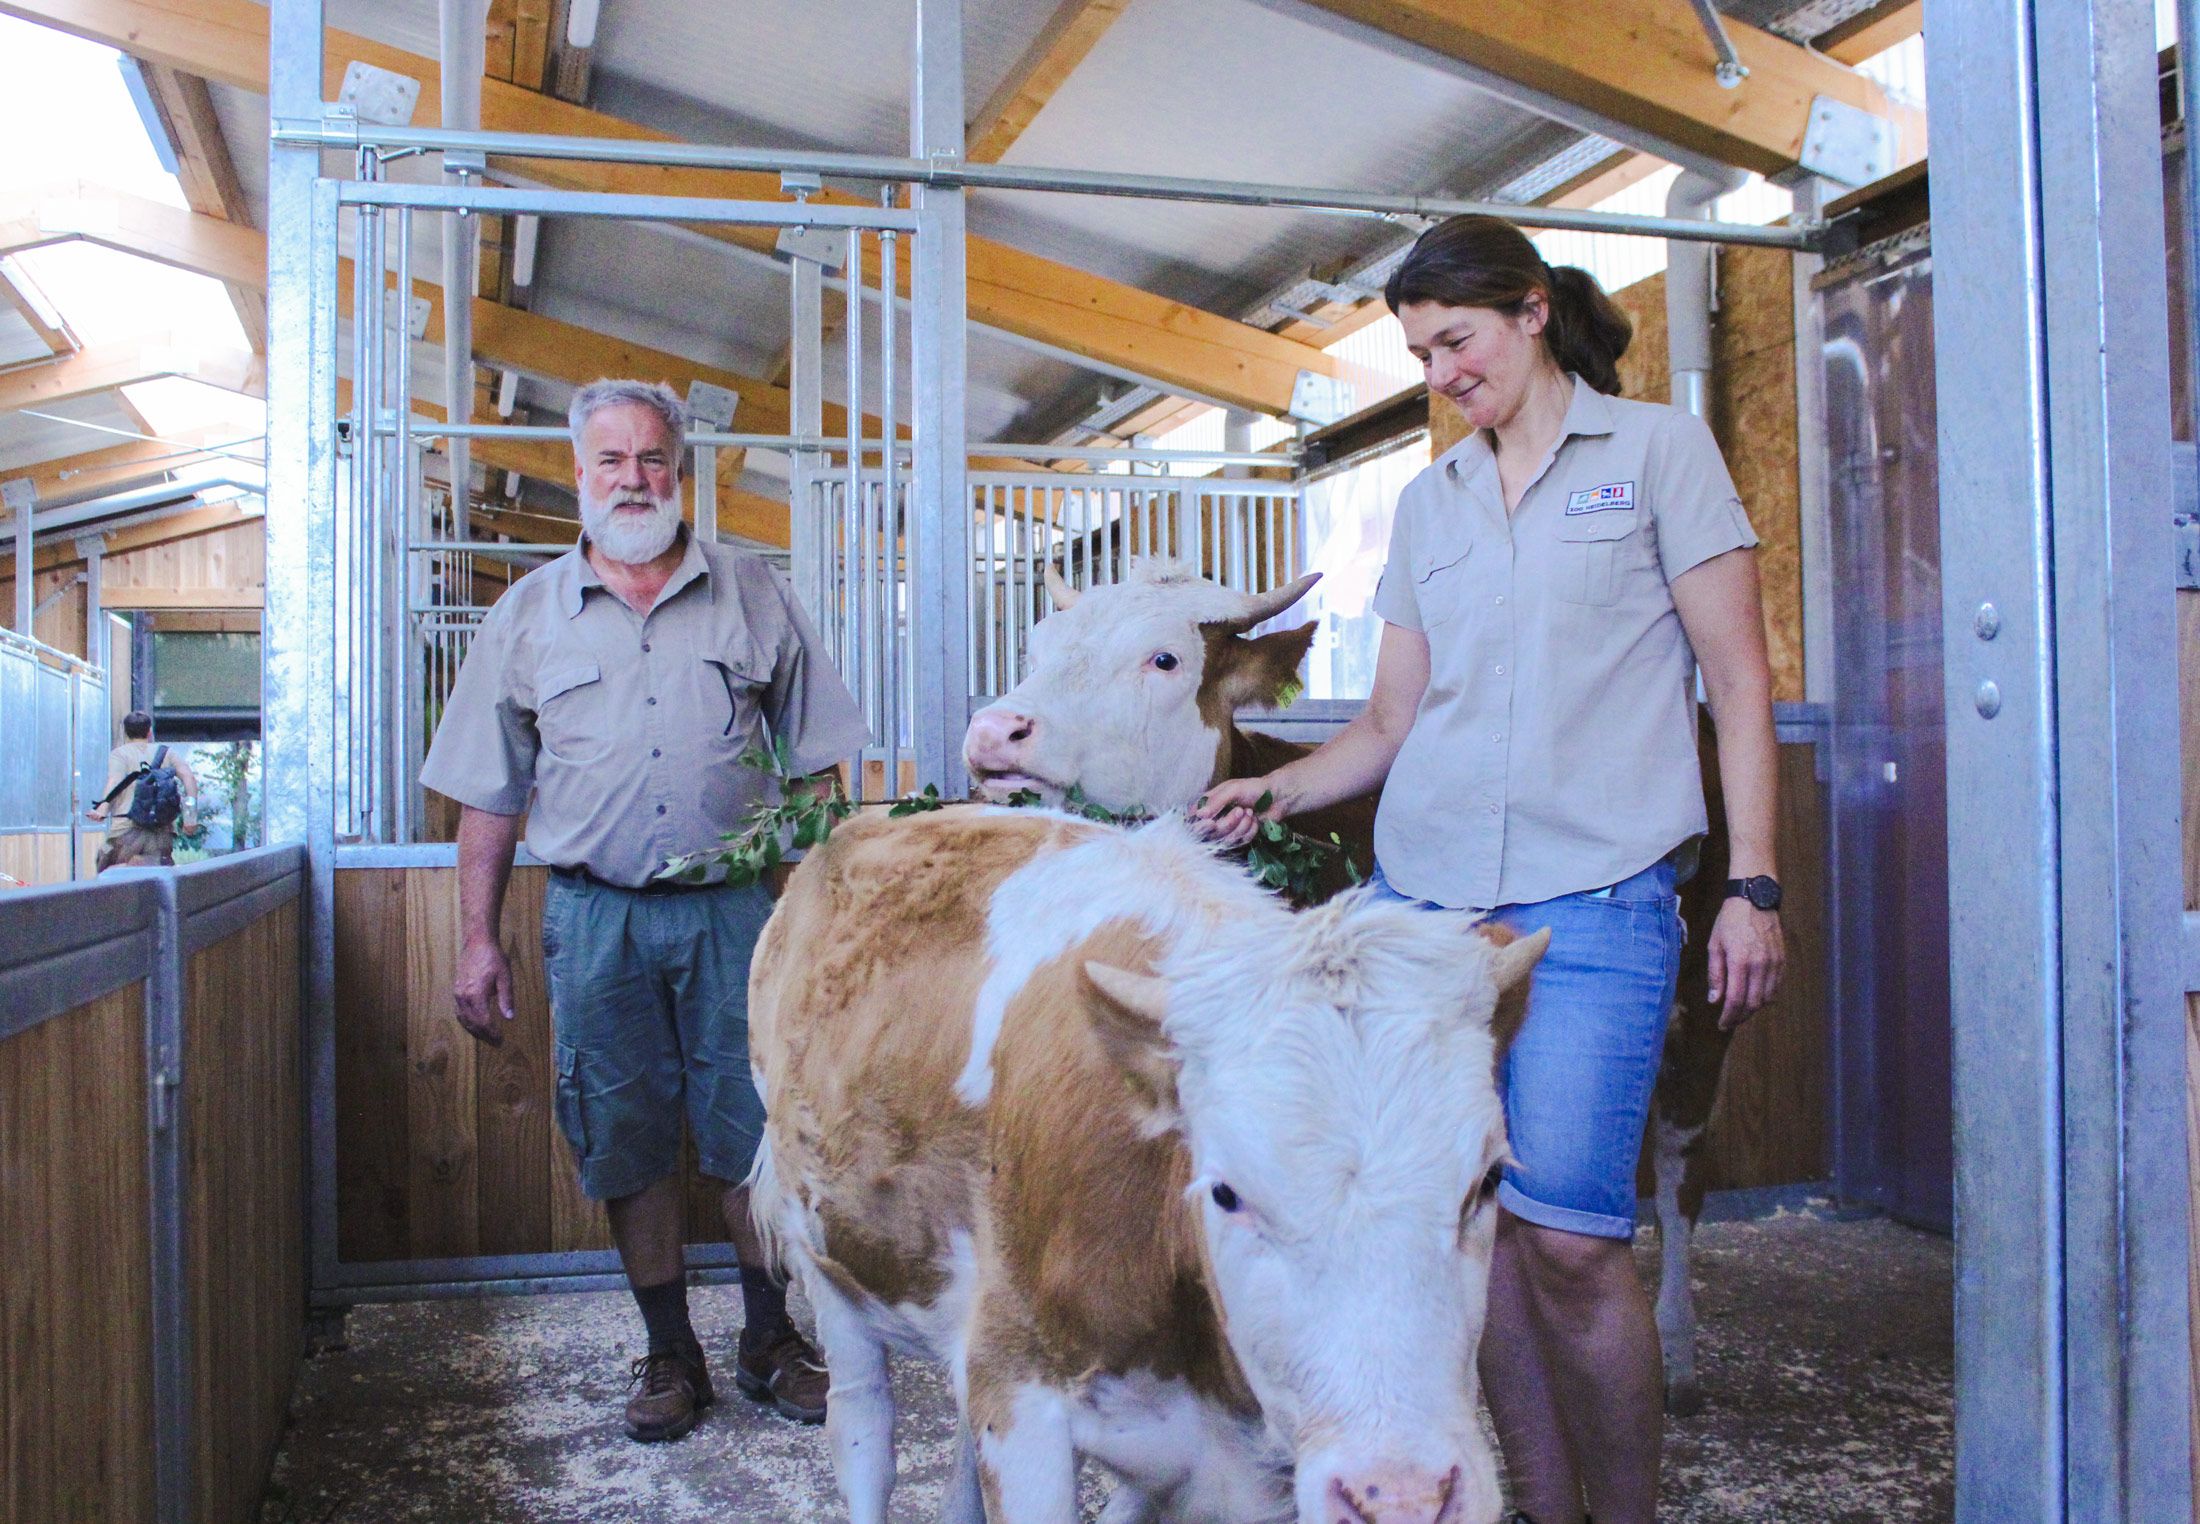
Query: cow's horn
(1260, 606)
(1058, 588)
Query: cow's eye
(1164, 661)
(1225, 1198)
(1487, 1189)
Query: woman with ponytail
(1554, 581)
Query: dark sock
(763, 1305)
(665, 1314)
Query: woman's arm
(1351, 763)
(1722, 611)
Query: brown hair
(137, 724)
(1477, 261)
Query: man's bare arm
(483, 986)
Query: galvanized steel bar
(2188, 101)
(940, 543)
(855, 658)
(889, 428)
(2073, 1349)
(933, 173)
(806, 412)
(514, 201)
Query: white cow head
(1337, 1098)
(1132, 688)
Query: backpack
(159, 797)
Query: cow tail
(767, 1201)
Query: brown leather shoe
(670, 1389)
(785, 1373)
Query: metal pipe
(2188, 102)
(1688, 291)
(952, 174)
(397, 693)
(1282, 456)
(855, 658)
(462, 36)
(1731, 71)
(520, 200)
(24, 496)
(889, 278)
(92, 509)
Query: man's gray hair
(659, 398)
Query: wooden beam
(1176, 345)
(1644, 64)
(125, 598)
(59, 552)
(123, 465)
(104, 367)
(1045, 67)
(1870, 33)
(209, 176)
(55, 335)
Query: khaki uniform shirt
(1555, 747)
(125, 760)
(629, 730)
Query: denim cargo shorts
(1578, 1079)
(649, 1005)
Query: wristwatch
(1763, 891)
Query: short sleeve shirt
(1554, 749)
(628, 729)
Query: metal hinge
(167, 1080)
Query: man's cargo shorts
(649, 1003)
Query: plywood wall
(446, 1147)
(76, 1329)
(1753, 417)
(37, 857)
(233, 558)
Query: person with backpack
(150, 788)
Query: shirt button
(1500, 600)
(661, 809)
(645, 644)
(653, 699)
(656, 751)
(1499, 669)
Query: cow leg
(963, 1502)
(859, 1406)
(1676, 1230)
(1027, 1465)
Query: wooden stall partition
(76, 1336)
(37, 857)
(244, 1179)
(2188, 707)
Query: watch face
(1764, 893)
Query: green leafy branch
(1278, 857)
(803, 817)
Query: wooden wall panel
(373, 1181)
(233, 557)
(445, 1196)
(244, 1169)
(76, 1399)
(1752, 416)
(1774, 1111)
(38, 857)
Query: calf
(1165, 1174)
(1131, 696)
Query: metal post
(706, 493)
(890, 517)
(1814, 488)
(400, 695)
(298, 718)
(93, 548)
(939, 570)
(2072, 1344)
(806, 413)
(22, 496)
(855, 656)
(174, 1429)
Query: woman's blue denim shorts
(1578, 1078)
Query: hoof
(1683, 1399)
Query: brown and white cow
(1165, 1173)
(1131, 695)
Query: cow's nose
(997, 738)
(1403, 1495)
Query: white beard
(626, 537)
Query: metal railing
(55, 722)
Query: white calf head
(1337, 1096)
(1131, 690)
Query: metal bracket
(416, 316)
(1730, 71)
(825, 247)
(1846, 143)
(382, 96)
(465, 161)
(711, 406)
(799, 185)
(167, 1080)
(1321, 399)
(2184, 476)
(18, 493)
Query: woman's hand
(1748, 952)
(1227, 813)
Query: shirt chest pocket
(570, 713)
(1441, 578)
(729, 695)
(1595, 551)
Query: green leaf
(1272, 830)
(1023, 799)
(1261, 805)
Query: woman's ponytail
(1479, 261)
(1587, 333)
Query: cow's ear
(1127, 1011)
(1260, 670)
(1513, 958)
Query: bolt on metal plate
(1988, 698)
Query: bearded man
(617, 688)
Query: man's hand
(1226, 813)
(1748, 953)
(483, 990)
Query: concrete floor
(1826, 1358)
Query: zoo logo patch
(1611, 495)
